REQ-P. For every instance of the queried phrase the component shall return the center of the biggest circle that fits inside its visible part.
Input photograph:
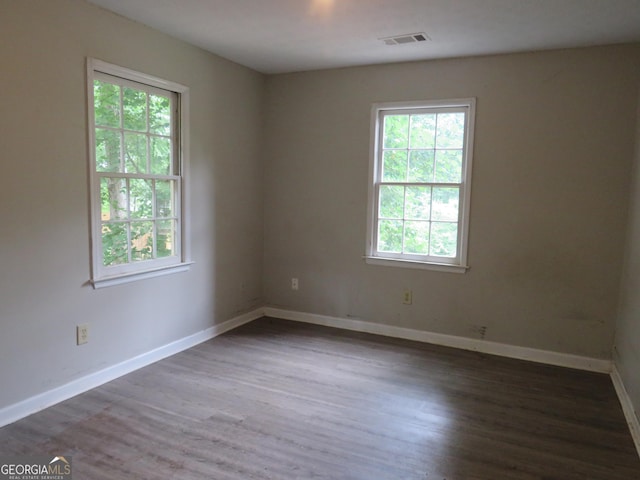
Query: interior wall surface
(554, 139)
(627, 341)
(44, 199)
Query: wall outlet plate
(407, 297)
(82, 334)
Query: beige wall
(44, 246)
(627, 342)
(553, 154)
(279, 189)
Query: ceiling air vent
(406, 38)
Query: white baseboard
(483, 346)
(494, 348)
(39, 402)
(627, 406)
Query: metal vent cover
(406, 38)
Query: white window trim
(97, 278)
(459, 264)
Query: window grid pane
(107, 104)
(423, 152)
(133, 211)
(138, 206)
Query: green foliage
(114, 244)
(418, 203)
(424, 148)
(390, 236)
(141, 241)
(416, 238)
(421, 165)
(391, 202)
(164, 198)
(134, 108)
(140, 198)
(448, 166)
(107, 150)
(113, 195)
(165, 245)
(107, 104)
(445, 203)
(450, 130)
(394, 166)
(132, 136)
(161, 156)
(159, 115)
(444, 239)
(423, 131)
(396, 131)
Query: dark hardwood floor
(281, 400)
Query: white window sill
(142, 275)
(396, 262)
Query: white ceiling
(276, 36)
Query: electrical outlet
(294, 284)
(407, 298)
(82, 334)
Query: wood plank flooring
(281, 400)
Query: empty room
(330, 239)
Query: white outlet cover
(82, 334)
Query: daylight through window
(137, 173)
(419, 200)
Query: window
(420, 184)
(138, 159)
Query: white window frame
(104, 276)
(456, 264)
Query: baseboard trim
(482, 346)
(17, 411)
(627, 406)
